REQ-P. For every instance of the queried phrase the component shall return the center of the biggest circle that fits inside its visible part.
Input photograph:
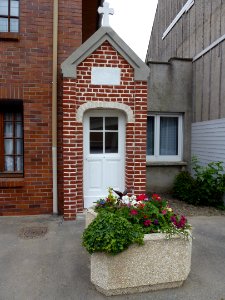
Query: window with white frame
(164, 137)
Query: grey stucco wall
(170, 91)
(160, 178)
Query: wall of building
(208, 141)
(196, 30)
(26, 74)
(160, 176)
(170, 91)
(90, 17)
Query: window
(9, 15)
(103, 135)
(164, 138)
(11, 142)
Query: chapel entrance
(104, 153)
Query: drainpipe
(54, 106)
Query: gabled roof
(69, 66)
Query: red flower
(156, 197)
(147, 223)
(142, 197)
(141, 205)
(164, 212)
(133, 212)
(182, 222)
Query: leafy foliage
(111, 233)
(184, 187)
(121, 222)
(206, 187)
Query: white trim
(169, 158)
(184, 10)
(214, 44)
(106, 105)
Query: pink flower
(179, 224)
(133, 212)
(156, 197)
(164, 212)
(142, 197)
(147, 223)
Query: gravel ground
(182, 208)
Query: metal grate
(33, 232)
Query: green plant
(210, 182)
(184, 187)
(111, 234)
(205, 187)
(121, 222)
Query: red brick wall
(79, 91)
(26, 74)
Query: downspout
(54, 106)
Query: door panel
(95, 167)
(113, 171)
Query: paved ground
(55, 267)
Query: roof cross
(105, 11)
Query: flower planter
(160, 263)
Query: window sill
(11, 182)
(13, 36)
(166, 163)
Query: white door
(104, 154)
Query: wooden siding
(208, 141)
(196, 30)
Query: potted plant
(152, 244)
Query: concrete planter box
(160, 263)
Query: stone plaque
(105, 76)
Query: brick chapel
(73, 108)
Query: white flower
(125, 200)
(134, 202)
(133, 197)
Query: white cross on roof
(105, 11)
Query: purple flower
(173, 219)
(156, 222)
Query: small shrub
(210, 182)
(184, 187)
(111, 234)
(206, 187)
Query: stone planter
(160, 263)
